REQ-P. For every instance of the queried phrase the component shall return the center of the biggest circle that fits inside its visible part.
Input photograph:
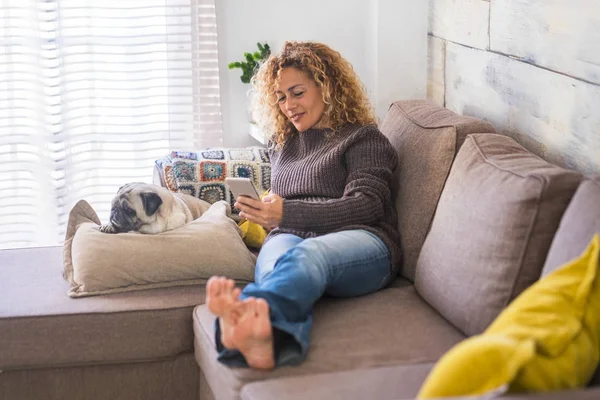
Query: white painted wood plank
(563, 35)
(436, 54)
(551, 114)
(461, 21)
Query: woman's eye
(281, 99)
(299, 94)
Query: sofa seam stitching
(411, 119)
(63, 315)
(492, 163)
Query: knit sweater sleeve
(370, 161)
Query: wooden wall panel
(562, 35)
(460, 21)
(436, 59)
(551, 114)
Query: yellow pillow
(547, 339)
(253, 234)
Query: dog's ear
(151, 202)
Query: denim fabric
(293, 273)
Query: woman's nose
(290, 104)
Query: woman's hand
(268, 213)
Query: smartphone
(242, 187)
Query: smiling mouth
(296, 117)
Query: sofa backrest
(492, 229)
(563, 216)
(577, 226)
(426, 138)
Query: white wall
(385, 40)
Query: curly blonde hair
(344, 95)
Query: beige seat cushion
(98, 263)
(579, 223)
(41, 326)
(398, 382)
(393, 326)
(426, 138)
(492, 230)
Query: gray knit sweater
(336, 182)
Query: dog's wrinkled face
(134, 206)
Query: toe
(212, 286)
(247, 306)
(262, 307)
(228, 284)
(254, 307)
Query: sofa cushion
(398, 382)
(426, 138)
(189, 255)
(41, 326)
(547, 339)
(579, 223)
(392, 326)
(492, 230)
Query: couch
(159, 344)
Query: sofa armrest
(158, 176)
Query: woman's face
(300, 99)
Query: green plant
(251, 64)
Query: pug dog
(147, 208)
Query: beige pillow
(100, 263)
(492, 230)
(426, 138)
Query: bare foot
(222, 299)
(253, 335)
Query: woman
(330, 208)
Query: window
(91, 93)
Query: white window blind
(91, 93)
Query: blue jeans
(293, 273)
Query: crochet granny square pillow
(202, 173)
